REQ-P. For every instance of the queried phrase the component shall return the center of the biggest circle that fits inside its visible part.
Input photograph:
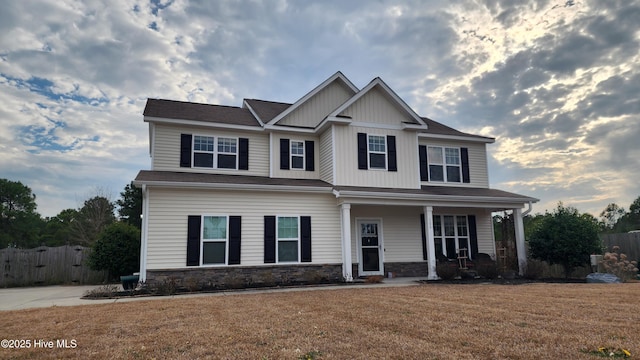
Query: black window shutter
(424, 166)
(473, 236)
(185, 150)
(305, 235)
(243, 154)
(391, 153)
(464, 157)
(424, 238)
(269, 239)
(193, 240)
(235, 230)
(309, 155)
(284, 154)
(362, 151)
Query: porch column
(347, 271)
(520, 246)
(431, 245)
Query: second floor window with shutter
(297, 155)
(444, 164)
(377, 152)
(227, 151)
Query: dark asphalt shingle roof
(172, 109)
(150, 176)
(147, 176)
(266, 110)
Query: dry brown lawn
(431, 321)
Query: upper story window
(377, 152)
(214, 152)
(297, 155)
(444, 164)
(227, 153)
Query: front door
(370, 244)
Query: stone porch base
(238, 277)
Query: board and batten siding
(326, 155)
(315, 109)
(293, 173)
(478, 168)
(402, 235)
(166, 149)
(376, 107)
(348, 174)
(170, 208)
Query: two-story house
(345, 182)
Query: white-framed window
(297, 154)
(227, 153)
(214, 240)
(377, 146)
(451, 233)
(203, 151)
(444, 164)
(288, 239)
(217, 153)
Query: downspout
(530, 207)
(144, 233)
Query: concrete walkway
(46, 296)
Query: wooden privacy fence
(47, 266)
(629, 244)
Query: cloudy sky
(557, 83)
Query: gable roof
(436, 128)
(265, 110)
(338, 76)
(179, 110)
(377, 82)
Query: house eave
(159, 120)
(372, 197)
(236, 186)
(485, 140)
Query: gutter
(530, 205)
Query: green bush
(117, 250)
(447, 271)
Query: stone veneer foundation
(237, 277)
(401, 269)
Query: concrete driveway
(45, 296)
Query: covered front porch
(407, 232)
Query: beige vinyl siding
(294, 173)
(315, 109)
(478, 168)
(376, 107)
(400, 231)
(166, 149)
(402, 235)
(170, 208)
(348, 174)
(326, 155)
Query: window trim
(444, 164)
(203, 240)
(215, 152)
(303, 155)
(298, 240)
(456, 236)
(385, 152)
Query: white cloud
(554, 83)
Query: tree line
(114, 240)
(21, 226)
